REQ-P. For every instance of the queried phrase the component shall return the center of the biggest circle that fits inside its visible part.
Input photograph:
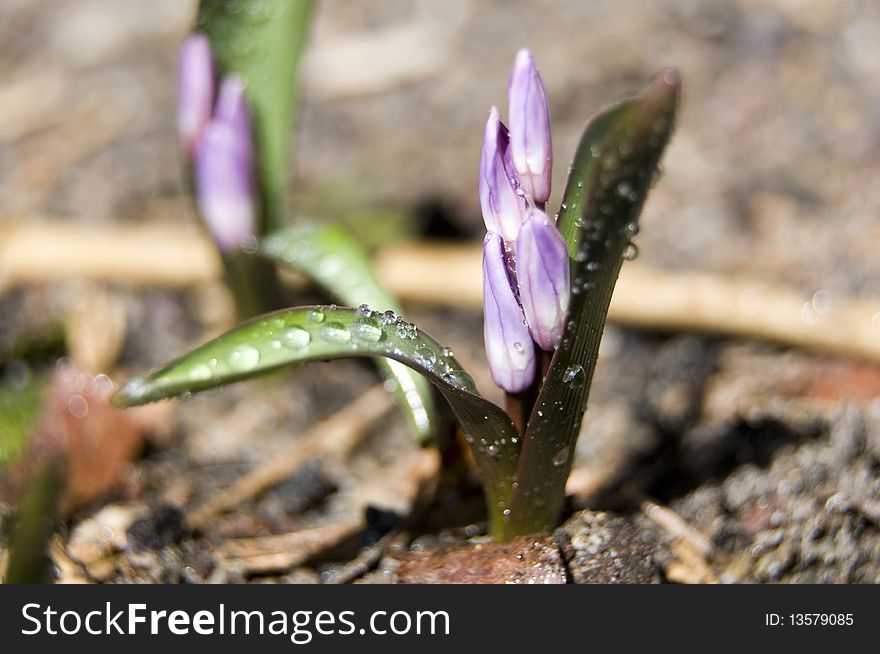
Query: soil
(764, 460)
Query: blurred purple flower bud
(530, 144)
(500, 198)
(232, 105)
(195, 92)
(509, 347)
(542, 273)
(224, 171)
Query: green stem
(28, 555)
(254, 284)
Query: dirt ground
(702, 458)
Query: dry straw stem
(175, 255)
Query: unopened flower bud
(501, 200)
(530, 143)
(195, 92)
(509, 347)
(224, 174)
(542, 274)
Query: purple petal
(501, 200)
(530, 142)
(232, 106)
(195, 92)
(225, 185)
(542, 273)
(509, 348)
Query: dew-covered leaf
(318, 333)
(328, 255)
(614, 167)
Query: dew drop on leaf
(316, 315)
(201, 372)
(295, 338)
(426, 356)
(460, 379)
(389, 317)
(561, 457)
(335, 332)
(243, 358)
(573, 376)
(368, 330)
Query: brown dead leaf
(94, 441)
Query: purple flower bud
(530, 144)
(509, 347)
(542, 273)
(224, 171)
(195, 93)
(500, 198)
(232, 105)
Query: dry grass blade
(450, 274)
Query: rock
(603, 548)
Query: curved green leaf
(316, 333)
(610, 177)
(328, 255)
(262, 40)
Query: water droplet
(447, 352)
(624, 188)
(518, 346)
(406, 330)
(389, 317)
(630, 251)
(368, 329)
(632, 229)
(561, 457)
(364, 311)
(460, 379)
(295, 338)
(243, 358)
(335, 332)
(574, 376)
(201, 372)
(135, 389)
(426, 356)
(316, 315)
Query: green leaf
(19, 410)
(304, 334)
(329, 256)
(610, 177)
(262, 40)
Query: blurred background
(769, 451)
